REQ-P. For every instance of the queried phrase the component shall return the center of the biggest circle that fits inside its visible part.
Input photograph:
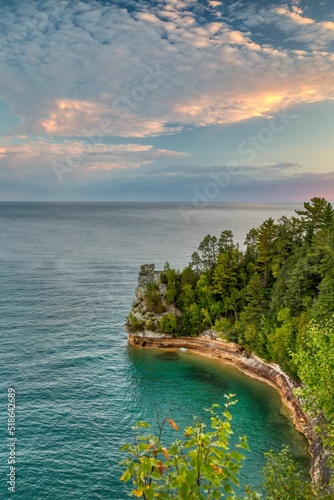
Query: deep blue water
(68, 274)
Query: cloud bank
(73, 67)
(74, 70)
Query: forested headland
(274, 297)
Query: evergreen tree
(266, 237)
(227, 281)
(208, 252)
(225, 241)
(317, 214)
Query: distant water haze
(68, 274)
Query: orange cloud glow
(259, 104)
(83, 118)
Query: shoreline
(254, 367)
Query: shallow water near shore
(68, 274)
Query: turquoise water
(68, 274)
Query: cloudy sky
(166, 100)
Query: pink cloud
(85, 156)
(83, 118)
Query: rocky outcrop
(142, 317)
(147, 275)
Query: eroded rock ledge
(208, 345)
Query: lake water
(68, 273)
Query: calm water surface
(68, 274)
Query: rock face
(146, 275)
(143, 332)
(145, 318)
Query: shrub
(153, 299)
(168, 324)
(135, 324)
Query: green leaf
(149, 493)
(227, 415)
(143, 424)
(142, 447)
(243, 445)
(126, 476)
(228, 488)
(237, 456)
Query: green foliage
(192, 320)
(227, 329)
(282, 340)
(315, 361)
(153, 299)
(222, 325)
(188, 277)
(228, 279)
(151, 325)
(225, 242)
(317, 214)
(283, 478)
(171, 278)
(208, 252)
(266, 236)
(196, 264)
(135, 324)
(168, 324)
(199, 465)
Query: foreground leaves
(200, 465)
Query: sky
(198, 101)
